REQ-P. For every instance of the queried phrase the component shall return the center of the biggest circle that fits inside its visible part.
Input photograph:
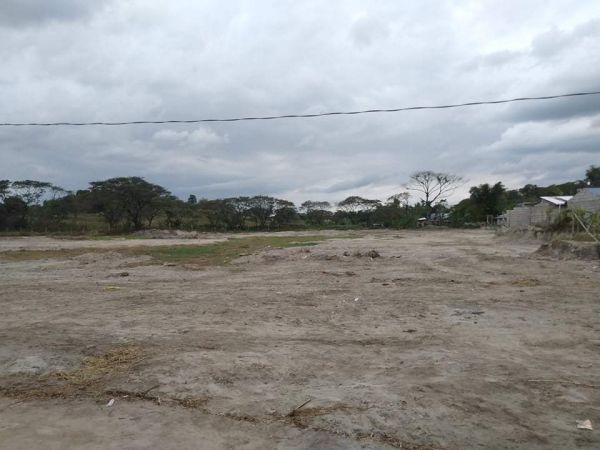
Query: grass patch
(31, 255)
(219, 253)
(222, 253)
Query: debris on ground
(293, 411)
(373, 254)
(120, 274)
(585, 424)
(110, 402)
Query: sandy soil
(436, 344)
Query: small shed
(541, 214)
(558, 200)
(548, 209)
(587, 199)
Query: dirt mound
(166, 234)
(570, 250)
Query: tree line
(125, 204)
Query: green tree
(32, 191)
(285, 213)
(357, 210)
(13, 213)
(592, 176)
(175, 211)
(316, 212)
(4, 189)
(399, 200)
(487, 200)
(132, 198)
(354, 204)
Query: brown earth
(448, 339)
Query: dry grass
(89, 379)
(94, 368)
(31, 255)
(526, 282)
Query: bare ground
(450, 339)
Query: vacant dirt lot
(449, 339)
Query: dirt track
(432, 345)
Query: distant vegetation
(126, 204)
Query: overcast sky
(109, 60)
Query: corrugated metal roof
(557, 200)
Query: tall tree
(235, 211)
(32, 191)
(131, 197)
(316, 212)
(260, 208)
(355, 204)
(488, 200)
(310, 205)
(215, 212)
(399, 200)
(434, 186)
(285, 213)
(4, 189)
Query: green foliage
(119, 205)
(487, 200)
(131, 199)
(356, 204)
(316, 213)
(592, 176)
(4, 189)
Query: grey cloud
(145, 59)
(555, 109)
(346, 185)
(366, 30)
(16, 13)
(555, 40)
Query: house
(541, 214)
(587, 199)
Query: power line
(297, 116)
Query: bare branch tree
(400, 199)
(435, 186)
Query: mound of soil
(588, 251)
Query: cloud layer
(75, 60)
